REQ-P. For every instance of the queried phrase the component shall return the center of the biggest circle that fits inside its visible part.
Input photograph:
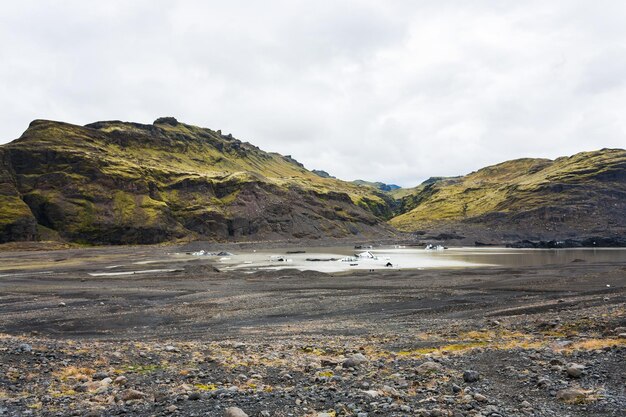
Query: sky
(393, 91)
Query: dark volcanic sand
(273, 343)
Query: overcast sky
(394, 91)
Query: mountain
(117, 183)
(584, 194)
(120, 183)
(322, 173)
(377, 185)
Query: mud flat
(164, 334)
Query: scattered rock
(572, 395)
(470, 376)
(131, 394)
(25, 347)
(372, 393)
(234, 412)
(480, 398)
(574, 370)
(354, 361)
(429, 367)
(194, 396)
(121, 380)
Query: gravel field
(184, 339)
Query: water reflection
(415, 258)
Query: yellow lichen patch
(418, 352)
(64, 393)
(141, 369)
(326, 374)
(461, 347)
(75, 373)
(521, 344)
(476, 335)
(313, 350)
(205, 387)
(595, 344)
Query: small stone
(170, 348)
(526, 404)
(429, 367)
(354, 361)
(81, 388)
(194, 396)
(372, 393)
(62, 304)
(234, 412)
(543, 382)
(131, 394)
(121, 380)
(574, 370)
(480, 398)
(470, 376)
(621, 336)
(25, 347)
(172, 408)
(571, 395)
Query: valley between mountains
(127, 183)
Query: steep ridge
(118, 183)
(584, 194)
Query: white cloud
(392, 91)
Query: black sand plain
(187, 339)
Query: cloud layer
(393, 91)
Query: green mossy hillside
(118, 182)
(585, 192)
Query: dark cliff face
(122, 183)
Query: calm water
(413, 258)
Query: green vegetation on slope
(584, 191)
(117, 182)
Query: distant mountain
(322, 173)
(377, 185)
(584, 194)
(116, 182)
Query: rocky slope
(581, 195)
(116, 183)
